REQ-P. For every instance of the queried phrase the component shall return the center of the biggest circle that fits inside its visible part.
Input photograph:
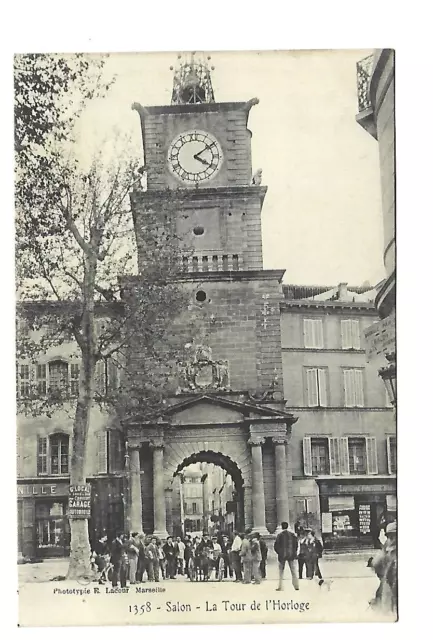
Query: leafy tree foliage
(76, 259)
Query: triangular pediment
(215, 409)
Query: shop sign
(380, 338)
(38, 490)
(79, 501)
(357, 488)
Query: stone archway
(211, 500)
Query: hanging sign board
(380, 338)
(79, 501)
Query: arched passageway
(207, 494)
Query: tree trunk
(79, 562)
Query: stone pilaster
(159, 512)
(282, 494)
(169, 510)
(258, 489)
(135, 507)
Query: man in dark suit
(286, 548)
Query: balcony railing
(364, 69)
(211, 262)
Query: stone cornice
(232, 276)
(331, 409)
(308, 350)
(204, 107)
(246, 191)
(328, 304)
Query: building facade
(269, 391)
(343, 445)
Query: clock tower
(229, 397)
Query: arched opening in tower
(207, 495)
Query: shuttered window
(102, 452)
(313, 333)
(357, 456)
(58, 371)
(41, 379)
(350, 334)
(24, 380)
(75, 378)
(334, 456)
(308, 465)
(320, 456)
(344, 456)
(391, 449)
(371, 448)
(353, 387)
(42, 459)
(116, 460)
(106, 376)
(100, 377)
(59, 454)
(53, 454)
(316, 387)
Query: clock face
(195, 156)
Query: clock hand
(207, 146)
(196, 157)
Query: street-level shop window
(353, 387)
(317, 395)
(350, 334)
(51, 530)
(313, 333)
(357, 456)
(53, 454)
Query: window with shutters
(313, 333)
(353, 387)
(42, 465)
(53, 454)
(357, 456)
(59, 454)
(316, 379)
(75, 378)
(58, 372)
(392, 454)
(106, 375)
(350, 334)
(24, 381)
(41, 379)
(102, 452)
(194, 507)
(320, 456)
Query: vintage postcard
(206, 360)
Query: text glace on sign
(79, 500)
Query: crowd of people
(241, 556)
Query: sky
(322, 218)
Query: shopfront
(352, 514)
(43, 526)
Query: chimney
(342, 292)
